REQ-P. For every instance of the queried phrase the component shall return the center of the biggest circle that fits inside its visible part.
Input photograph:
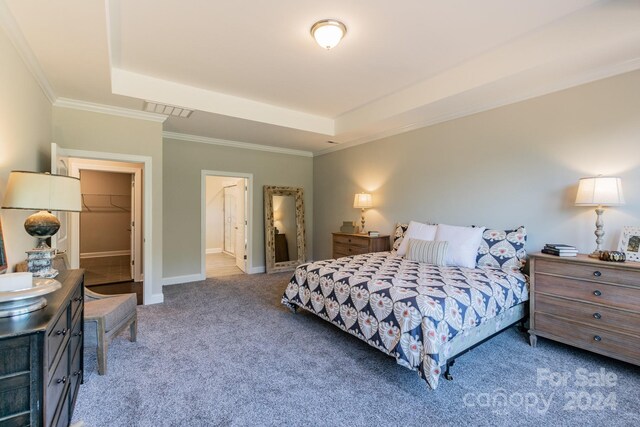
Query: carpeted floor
(226, 352)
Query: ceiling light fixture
(169, 110)
(328, 32)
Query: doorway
(225, 225)
(108, 237)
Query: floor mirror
(285, 246)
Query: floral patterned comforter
(406, 309)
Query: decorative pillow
(463, 244)
(416, 230)
(398, 235)
(503, 249)
(427, 251)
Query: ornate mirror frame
(269, 229)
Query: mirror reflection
(284, 228)
(284, 222)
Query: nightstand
(345, 244)
(587, 303)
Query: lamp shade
(42, 192)
(362, 201)
(600, 191)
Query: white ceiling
(254, 74)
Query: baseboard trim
(214, 250)
(176, 280)
(257, 270)
(154, 299)
(104, 254)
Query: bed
(422, 315)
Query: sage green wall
(183, 163)
(514, 165)
(25, 135)
(84, 130)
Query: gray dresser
(41, 358)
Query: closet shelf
(106, 203)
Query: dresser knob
(62, 332)
(76, 373)
(597, 316)
(597, 293)
(62, 380)
(597, 273)
(79, 334)
(597, 338)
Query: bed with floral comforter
(408, 310)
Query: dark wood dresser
(41, 358)
(345, 244)
(587, 303)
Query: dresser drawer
(594, 315)
(76, 301)
(349, 250)
(352, 241)
(76, 334)
(601, 341)
(57, 385)
(599, 293)
(56, 336)
(589, 272)
(75, 374)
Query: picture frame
(630, 242)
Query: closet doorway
(109, 238)
(225, 225)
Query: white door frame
(203, 216)
(147, 288)
(75, 166)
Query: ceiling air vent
(169, 110)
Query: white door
(230, 219)
(136, 226)
(60, 166)
(241, 225)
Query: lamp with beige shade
(599, 191)
(42, 192)
(362, 201)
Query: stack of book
(559, 249)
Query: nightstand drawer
(594, 315)
(352, 241)
(599, 293)
(601, 341)
(589, 272)
(339, 248)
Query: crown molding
(20, 43)
(235, 144)
(109, 109)
(581, 79)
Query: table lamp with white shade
(599, 191)
(42, 192)
(362, 201)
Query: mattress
(417, 313)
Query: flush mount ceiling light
(170, 110)
(328, 32)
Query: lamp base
(595, 254)
(39, 262)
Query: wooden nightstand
(587, 303)
(345, 244)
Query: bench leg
(102, 347)
(133, 330)
(102, 356)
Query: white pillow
(419, 231)
(463, 244)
